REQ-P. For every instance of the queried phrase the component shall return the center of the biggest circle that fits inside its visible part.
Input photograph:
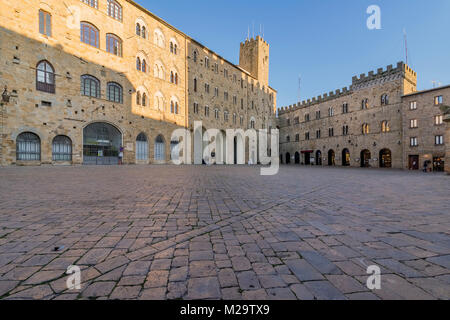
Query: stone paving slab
(166, 232)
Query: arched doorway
(365, 158)
(62, 149)
(297, 158)
(175, 150)
(331, 158)
(28, 147)
(318, 158)
(142, 147)
(160, 149)
(385, 158)
(101, 144)
(288, 158)
(345, 158)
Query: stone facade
(166, 79)
(364, 125)
(423, 119)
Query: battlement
(253, 40)
(316, 100)
(380, 73)
(401, 71)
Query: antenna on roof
(406, 44)
(299, 87)
(253, 29)
(248, 34)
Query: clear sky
(326, 42)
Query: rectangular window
(206, 111)
(438, 120)
(413, 105)
(439, 140)
(45, 23)
(297, 137)
(413, 142)
(413, 123)
(318, 115)
(438, 100)
(345, 130)
(216, 92)
(307, 136)
(318, 134)
(331, 132)
(296, 120)
(307, 117)
(92, 3)
(345, 108)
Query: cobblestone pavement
(165, 232)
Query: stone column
(446, 111)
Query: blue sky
(326, 42)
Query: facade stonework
(155, 100)
(365, 125)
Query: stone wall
(67, 112)
(390, 81)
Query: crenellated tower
(254, 58)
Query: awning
(308, 151)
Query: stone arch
(365, 157)
(345, 157)
(331, 157)
(385, 157)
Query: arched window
(159, 101)
(138, 98)
(385, 126)
(62, 149)
(28, 147)
(45, 77)
(113, 44)
(384, 99)
(115, 92)
(159, 148)
(115, 10)
(173, 47)
(141, 147)
(159, 38)
(172, 78)
(144, 66)
(89, 34)
(90, 86)
(158, 71)
(138, 64)
(195, 54)
(364, 104)
(144, 32)
(138, 29)
(174, 106)
(365, 128)
(144, 99)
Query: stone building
(89, 80)
(424, 129)
(367, 124)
